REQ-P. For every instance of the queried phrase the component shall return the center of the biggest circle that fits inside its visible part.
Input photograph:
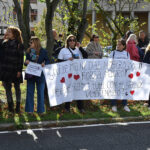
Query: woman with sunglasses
(71, 52)
(35, 53)
(94, 49)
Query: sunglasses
(96, 37)
(71, 40)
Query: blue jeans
(114, 102)
(40, 84)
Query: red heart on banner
(62, 80)
(69, 75)
(132, 92)
(130, 75)
(76, 77)
(137, 74)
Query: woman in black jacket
(11, 65)
(147, 60)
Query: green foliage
(70, 12)
(40, 29)
(147, 0)
(9, 14)
(58, 24)
(43, 1)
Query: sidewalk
(46, 124)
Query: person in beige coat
(94, 49)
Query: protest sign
(34, 69)
(97, 79)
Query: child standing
(38, 55)
(11, 65)
(120, 53)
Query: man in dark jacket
(57, 43)
(143, 40)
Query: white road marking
(71, 127)
(58, 133)
(29, 131)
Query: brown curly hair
(16, 33)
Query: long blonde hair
(147, 48)
(132, 37)
(16, 33)
(37, 45)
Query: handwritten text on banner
(34, 69)
(97, 79)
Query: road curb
(62, 123)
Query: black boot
(18, 107)
(11, 107)
(67, 107)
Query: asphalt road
(109, 137)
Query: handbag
(28, 76)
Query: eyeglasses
(96, 37)
(71, 40)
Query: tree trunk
(21, 23)
(83, 24)
(114, 39)
(51, 7)
(26, 18)
(72, 19)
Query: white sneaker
(126, 108)
(114, 108)
(145, 104)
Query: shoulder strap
(113, 54)
(71, 52)
(127, 54)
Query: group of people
(11, 66)
(12, 61)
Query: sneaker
(114, 108)
(145, 104)
(126, 108)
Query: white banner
(97, 79)
(34, 69)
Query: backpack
(55, 54)
(114, 54)
(83, 52)
(57, 51)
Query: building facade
(8, 14)
(141, 9)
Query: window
(33, 18)
(33, 11)
(33, 1)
